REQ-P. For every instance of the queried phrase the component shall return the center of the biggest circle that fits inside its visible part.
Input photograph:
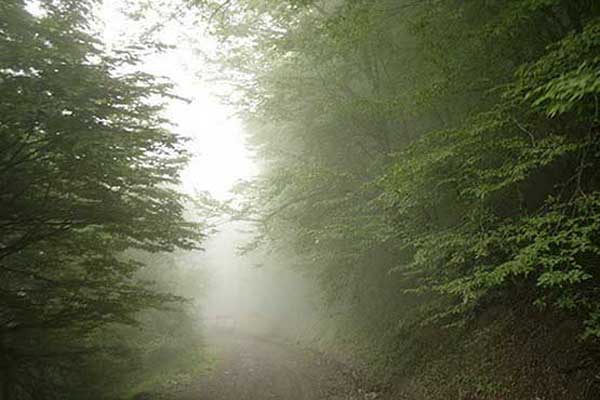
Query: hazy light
(219, 155)
(35, 8)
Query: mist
(299, 200)
(256, 293)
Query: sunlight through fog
(219, 157)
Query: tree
(89, 170)
(430, 161)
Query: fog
(299, 199)
(254, 293)
(257, 292)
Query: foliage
(427, 160)
(507, 227)
(89, 170)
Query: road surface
(253, 368)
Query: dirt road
(253, 368)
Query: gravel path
(252, 368)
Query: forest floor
(254, 368)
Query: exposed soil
(255, 368)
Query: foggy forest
(299, 199)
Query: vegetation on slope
(434, 164)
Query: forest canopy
(89, 182)
(434, 164)
(431, 164)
